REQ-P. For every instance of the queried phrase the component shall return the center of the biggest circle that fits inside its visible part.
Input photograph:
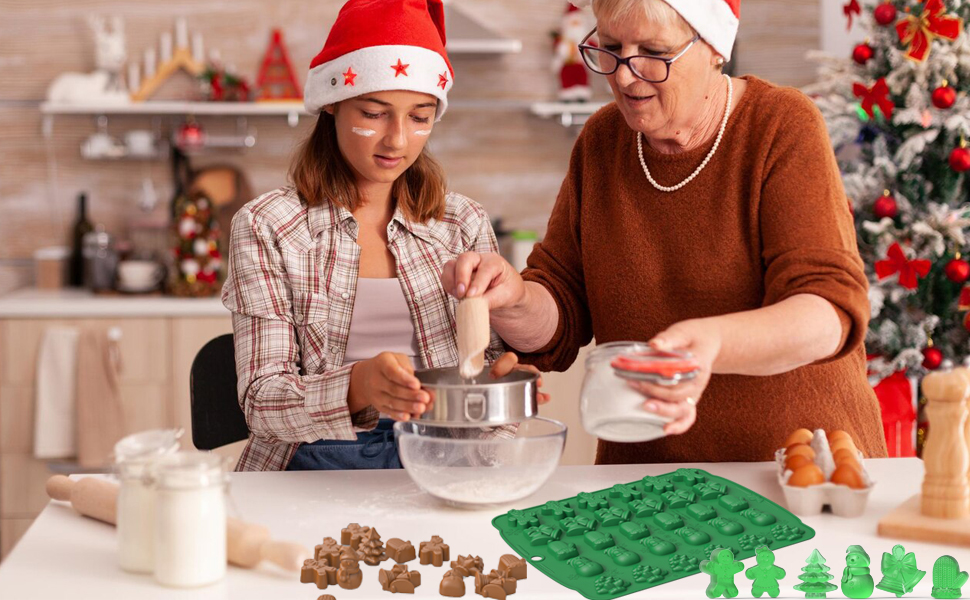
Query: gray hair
(656, 11)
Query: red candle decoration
(885, 206)
(932, 358)
(885, 14)
(944, 96)
(862, 53)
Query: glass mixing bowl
(460, 467)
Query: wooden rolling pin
(246, 544)
(473, 335)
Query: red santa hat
(716, 21)
(380, 45)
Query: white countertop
(64, 555)
(30, 303)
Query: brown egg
(806, 476)
(800, 449)
(844, 443)
(796, 461)
(799, 436)
(846, 474)
(845, 455)
(838, 434)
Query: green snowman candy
(856, 580)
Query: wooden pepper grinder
(946, 487)
(473, 335)
(966, 426)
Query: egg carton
(807, 501)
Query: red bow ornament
(910, 271)
(877, 95)
(852, 8)
(919, 31)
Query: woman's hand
(387, 383)
(679, 402)
(488, 274)
(509, 362)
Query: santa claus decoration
(573, 77)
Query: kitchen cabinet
(158, 338)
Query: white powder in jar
(190, 536)
(136, 526)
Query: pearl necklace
(707, 159)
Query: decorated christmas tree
(815, 577)
(899, 117)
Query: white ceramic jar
(190, 519)
(610, 409)
(134, 456)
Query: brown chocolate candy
(326, 597)
(352, 534)
(494, 585)
(371, 548)
(349, 575)
(512, 566)
(329, 549)
(398, 580)
(435, 552)
(467, 566)
(399, 550)
(318, 572)
(452, 585)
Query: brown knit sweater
(765, 220)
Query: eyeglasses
(652, 69)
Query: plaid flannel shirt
(291, 287)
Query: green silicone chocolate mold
(638, 535)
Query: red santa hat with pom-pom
(716, 21)
(382, 45)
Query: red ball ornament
(957, 270)
(885, 14)
(932, 358)
(960, 159)
(944, 96)
(885, 206)
(862, 53)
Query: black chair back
(217, 419)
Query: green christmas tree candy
(765, 574)
(948, 578)
(856, 580)
(899, 572)
(815, 577)
(722, 568)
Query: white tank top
(381, 322)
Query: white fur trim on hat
(373, 69)
(713, 20)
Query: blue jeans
(373, 449)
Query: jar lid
(147, 445)
(190, 470)
(657, 366)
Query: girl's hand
(488, 274)
(679, 402)
(387, 383)
(509, 362)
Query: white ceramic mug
(140, 142)
(140, 274)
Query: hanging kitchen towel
(100, 418)
(54, 419)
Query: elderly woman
(701, 213)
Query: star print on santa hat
(443, 80)
(349, 76)
(400, 69)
